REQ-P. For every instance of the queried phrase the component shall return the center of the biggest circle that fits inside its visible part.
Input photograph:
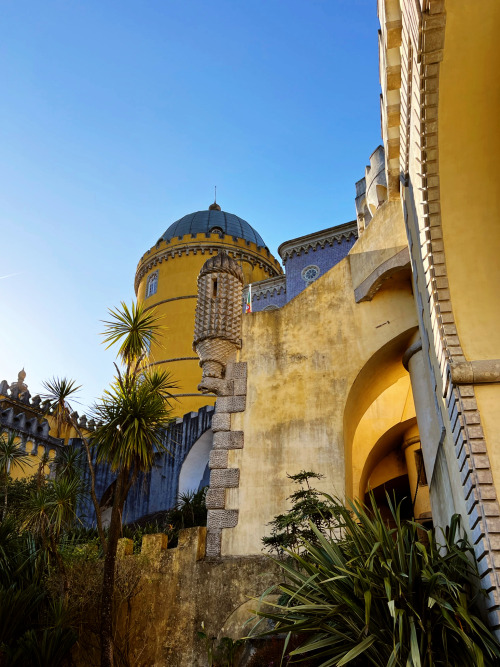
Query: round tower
(166, 279)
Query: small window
(152, 284)
(214, 288)
(309, 274)
(216, 230)
(419, 463)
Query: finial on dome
(215, 206)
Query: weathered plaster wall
(179, 589)
(469, 107)
(302, 361)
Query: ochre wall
(177, 289)
(178, 591)
(302, 362)
(32, 464)
(469, 145)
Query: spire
(215, 206)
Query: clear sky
(118, 117)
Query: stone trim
(263, 289)
(212, 248)
(413, 349)
(319, 239)
(167, 361)
(223, 477)
(174, 298)
(199, 395)
(371, 285)
(484, 371)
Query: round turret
(166, 279)
(222, 263)
(217, 327)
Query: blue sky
(117, 118)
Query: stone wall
(179, 590)
(158, 490)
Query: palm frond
(134, 328)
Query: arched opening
(194, 474)
(376, 402)
(384, 442)
(106, 504)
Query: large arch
(379, 398)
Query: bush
(309, 508)
(384, 595)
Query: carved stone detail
(231, 399)
(217, 331)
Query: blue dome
(204, 222)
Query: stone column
(416, 474)
(426, 408)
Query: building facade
(374, 358)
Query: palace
(374, 358)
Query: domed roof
(204, 222)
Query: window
(419, 463)
(217, 230)
(309, 274)
(152, 284)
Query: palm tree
(131, 417)
(57, 393)
(11, 454)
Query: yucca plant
(57, 396)
(384, 595)
(11, 454)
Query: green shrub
(309, 508)
(384, 595)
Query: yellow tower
(166, 279)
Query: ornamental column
(426, 409)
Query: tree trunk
(108, 583)
(5, 501)
(93, 495)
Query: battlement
(11, 396)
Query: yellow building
(384, 373)
(166, 280)
(381, 370)
(35, 428)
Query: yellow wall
(469, 146)
(31, 466)
(177, 289)
(302, 363)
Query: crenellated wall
(179, 590)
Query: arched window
(152, 284)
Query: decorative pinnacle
(215, 206)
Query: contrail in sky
(9, 275)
